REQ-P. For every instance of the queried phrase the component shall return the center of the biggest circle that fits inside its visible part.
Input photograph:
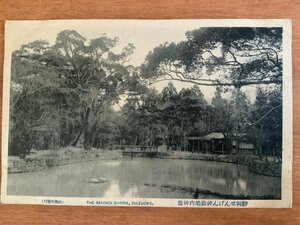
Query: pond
(147, 178)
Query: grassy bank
(254, 164)
(44, 159)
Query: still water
(145, 178)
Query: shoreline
(48, 158)
(251, 161)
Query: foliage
(219, 56)
(65, 93)
(60, 90)
(265, 129)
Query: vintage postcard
(156, 113)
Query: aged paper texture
(156, 113)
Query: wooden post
(193, 145)
(222, 147)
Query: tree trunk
(70, 135)
(74, 143)
(259, 151)
(83, 128)
(260, 142)
(86, 142)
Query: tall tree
(221, 112)
(78, 76)
(96, 73)
(36, 97)
(235, 56)
(265, 128)
(181, 112)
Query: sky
(145, 35)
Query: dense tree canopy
(230, 56)
(64, 94)
(67, 84)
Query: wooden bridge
(134, 148)
(150, 154)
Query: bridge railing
(134, 148)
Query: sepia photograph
(180, 113)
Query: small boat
(98, 180)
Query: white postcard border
(286, 200)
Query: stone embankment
(45, 159)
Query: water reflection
(144, 178)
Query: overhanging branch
(218, 83)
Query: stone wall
(45, 159)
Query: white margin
(286, 200)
